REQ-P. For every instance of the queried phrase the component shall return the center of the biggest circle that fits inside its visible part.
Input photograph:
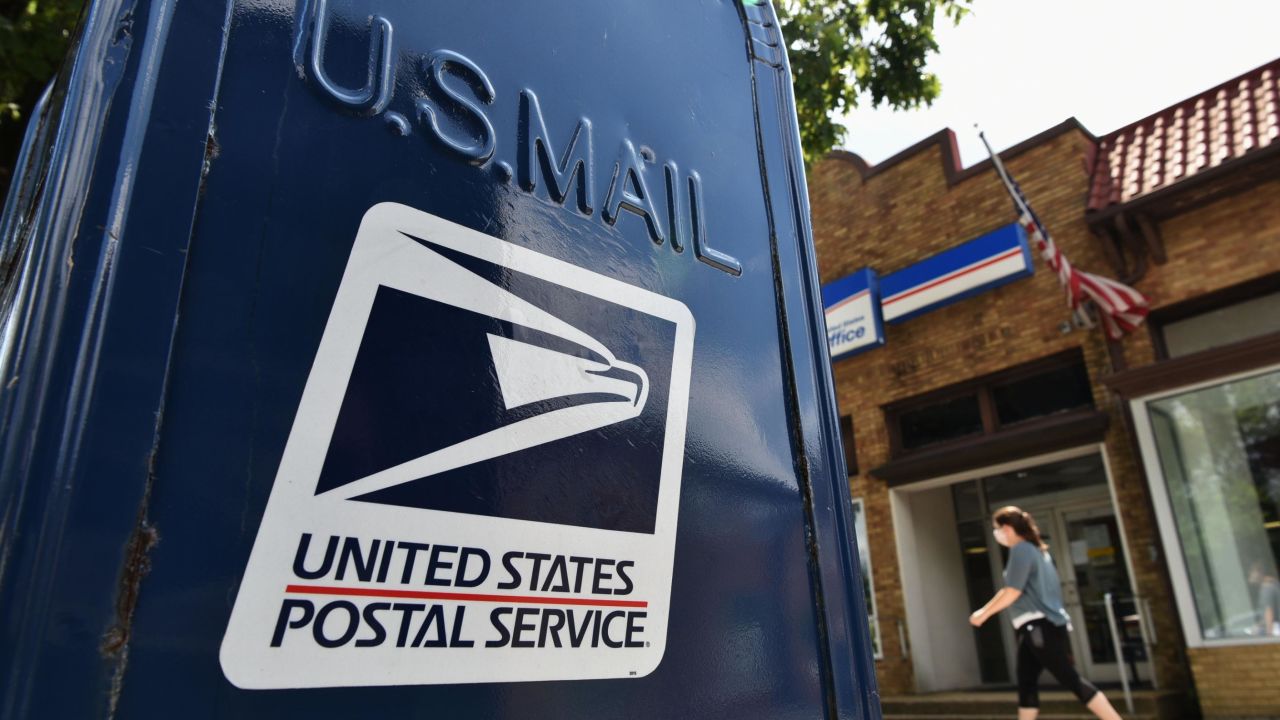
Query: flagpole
(1079, 310)
(1004, 176)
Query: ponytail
(1021, 522)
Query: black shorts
(1045, 646)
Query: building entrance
(1084, 541)
(1071, 502)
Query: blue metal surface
(194, 190)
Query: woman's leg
(1054, 653)
(1029, 668)
(1101, 707)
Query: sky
(1018, 67)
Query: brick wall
(907, 211)
(1238, 681)
(1216, 246)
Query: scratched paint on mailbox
(483, 475)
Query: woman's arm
(1003, 599)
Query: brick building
(1153, 464)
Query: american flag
(1120, 308)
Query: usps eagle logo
(485, 372)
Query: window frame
(873, 614)
(849, 446)
(982, 388)
(1207, 303)
(1166, 523)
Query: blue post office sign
(851, 306)
(986, 262)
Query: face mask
(997, 535)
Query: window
(1044, 393)
(946, 420)
(1014, 487)
(1231, 315)
(846, 439)
(1229, 324)
(1215, 454)
(864, 563)
(987, 405)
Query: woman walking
(1033, 594)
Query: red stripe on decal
(958, 273)
(457, 596)
(847, 300)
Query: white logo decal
(483, 476)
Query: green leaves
(33, 40)
(844, 50)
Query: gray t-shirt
(1031, 571)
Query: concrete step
(1054, 705)
(1010, 713)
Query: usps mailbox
(396, 358)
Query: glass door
(1091, 563)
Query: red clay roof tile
(1224, 123)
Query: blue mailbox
(377, 358)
